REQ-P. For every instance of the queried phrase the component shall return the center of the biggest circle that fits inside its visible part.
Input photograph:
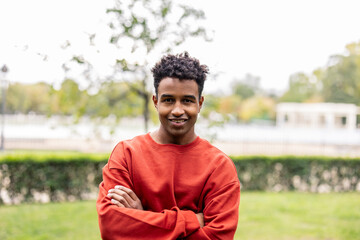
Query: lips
(178, 122)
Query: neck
(164, 138)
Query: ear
(155, 101)
(201, 100)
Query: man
(170, 183)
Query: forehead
(175, 86)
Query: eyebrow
(166, 96)
(169, 95)
(190, 96)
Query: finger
(125, 196)
(128, 191)
(117, 203)
(130, 196)
(120, 198)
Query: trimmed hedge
(294, 173)
(50, 177)
(71, 176)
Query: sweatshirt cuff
(191, 222)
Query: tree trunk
(146, 112)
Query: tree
(148, 28)
(338, 82)
(301, 88)
(210, 105)
(25, 98)
(229, 106)
(71, 100)
(341, 79)
(114, 98)
(246, 87)
(257, 107)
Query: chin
(177, 132)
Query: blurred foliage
(23, 98)
(113, 98)
(71, 100)
(341, 80)
(211, 104)
(230, 105)
(246, 103)
(300, 88)
(246, 87)
(117, 100)
(337, 82)
(259, 107)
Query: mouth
(178, 122)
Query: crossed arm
(125, 198)
(121, 214)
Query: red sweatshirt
(174, 182)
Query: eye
(167, 100)
(188, 100)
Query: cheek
(194, 111)
(162, 111)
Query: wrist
(200, 218)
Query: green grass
(73, 221)
(299, 216)
(280, 216)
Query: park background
(75, 80)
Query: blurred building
(318, 115)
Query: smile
(178, 120)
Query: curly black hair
(180, 66)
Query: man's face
(178, 105)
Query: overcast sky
(268, 39)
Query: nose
(177, 110)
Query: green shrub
(47, 177)
(72, 176)
(307, 174)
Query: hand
(124, 197)
(200, 217)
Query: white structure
(318, 115)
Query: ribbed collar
(171, 145)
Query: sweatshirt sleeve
(221, 205)
(124, 223)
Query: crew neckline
(178, 146)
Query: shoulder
(213, 152)
(133, 142)
(122, 151)
(215, 158)
(129, 144)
